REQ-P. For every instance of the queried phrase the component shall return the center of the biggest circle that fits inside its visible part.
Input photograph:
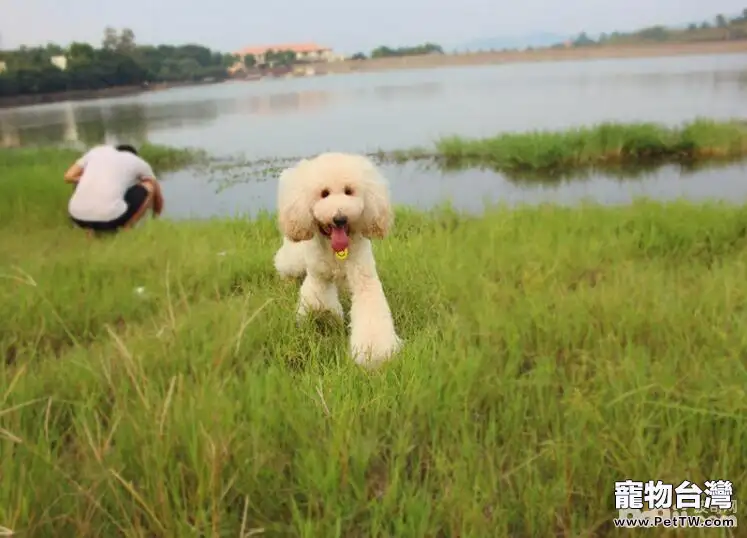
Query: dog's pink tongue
(339, 239)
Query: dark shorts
(135, 198)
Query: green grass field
(155, 383)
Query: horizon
(447, 27)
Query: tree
(188, 68)
(250, 61)
(358, 56)
(284, 58)
(721, 21)
(425, 48)
(80, 53)
(52, 49)
(126, 41)
(655, 33)
(269, 58)
(111, 40)
(583, 40)
(119, 62)
(228, 60)
(383, 52)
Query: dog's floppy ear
(294, 208)
(378, 216)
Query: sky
(344, 25)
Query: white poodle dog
(329, 208)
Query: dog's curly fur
(310, 195)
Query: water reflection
(86, 125)
(713, 79)
(620, 172)
(247, 190)
(408, 91)
(133, 122)
(285, 103)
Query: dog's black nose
(339, 221)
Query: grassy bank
(155, 384)
(608, 145)
(618, 150)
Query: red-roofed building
(309, 52)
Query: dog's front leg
(319, 294)
(373, 338)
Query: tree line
(287, 58)
(120, 61)
(721, 28)
(272, 58)
(388, 52)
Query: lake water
(401, 109)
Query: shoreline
(420, 62)
(530, 153)
(536, 55)
(21, 101)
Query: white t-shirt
(107, 174)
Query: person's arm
(144, 171)
(76, 170)
(73, 173)
(157, 197)
(146, 174)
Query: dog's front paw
(372, 352)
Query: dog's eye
(325, 193)
(348, 191)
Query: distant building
(60, 62)
(305, 52)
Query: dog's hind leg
(290, 259)
(319, 295)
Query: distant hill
(541, 39)
(718, 28)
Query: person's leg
(89, 227)
(139, 200)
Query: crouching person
(114, 189)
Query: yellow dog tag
(341, 255)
